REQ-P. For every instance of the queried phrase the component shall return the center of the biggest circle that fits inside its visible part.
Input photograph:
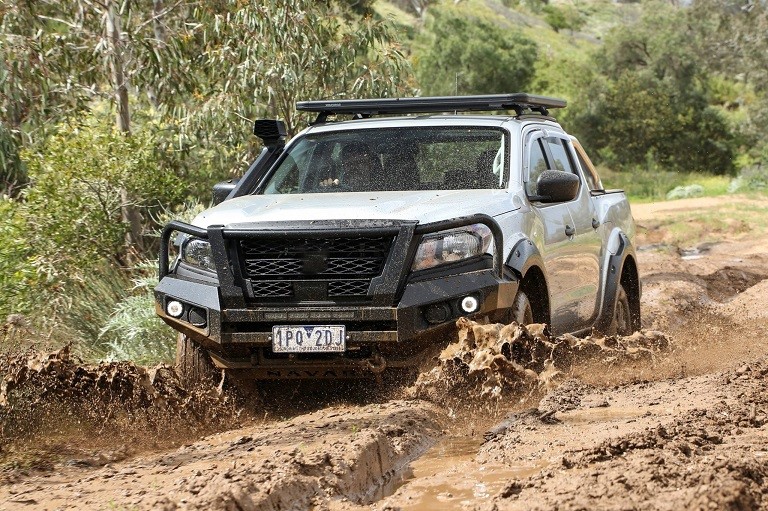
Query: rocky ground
(673, 417)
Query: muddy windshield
(387, 159)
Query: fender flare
(619, 249)
(524, 256)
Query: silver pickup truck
(355, 247)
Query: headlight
(452, 245)
(197, 252)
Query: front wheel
(193, 364)
(522, 312)
(622, 314)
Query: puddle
(603, 414)
(448, 478)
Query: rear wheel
(193, 364)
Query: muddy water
(602, 415)
(447, 477)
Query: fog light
(174, 309)
(197, 317)
(437, 313)
(469, 304)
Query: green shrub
(18, 278)
(466, 55)
(685, 192)
(85, 308)
(645, 97)
(133, 331)
(750, 179)
(69, 219)
(12, 172)
(564, 17)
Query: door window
(560, 154)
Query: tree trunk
(129, 212)
(116, 64)
(160, 42)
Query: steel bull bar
(232, 302)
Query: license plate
(308, 339)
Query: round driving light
(469, 304)
(174, 309)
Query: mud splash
(493, 362)
(43, 395)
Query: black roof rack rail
(362, 108)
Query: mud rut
(673, 417)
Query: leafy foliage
(12, 170)
(734, 46)
(565, 17)
(70, 218)
(685, 192)
(466, 55)
(261, 57)
(133, 330)
(750, 179)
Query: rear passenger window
(593, 180)
(537, 163)
(560, 155)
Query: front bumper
(393, 327)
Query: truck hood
(424, 206)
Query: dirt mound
(707, 458)
(492, 362)
(345, 454)
(45, 395)
(356, 468)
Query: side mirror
(556, 186)
(222, 190)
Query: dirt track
(627, 424)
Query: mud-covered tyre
(193, 364)
(622, 314)
(522, 311)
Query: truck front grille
(313, 269)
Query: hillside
(559, 50)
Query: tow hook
(377, 363)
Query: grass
(693, 228)
(653, 185)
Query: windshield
(386, 159)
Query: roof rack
(362, 108)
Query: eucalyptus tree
(204, 69)
(259, 58)
(58, 58)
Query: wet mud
(508, 417)
(52, 407)
(711, 457)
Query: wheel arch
(620, 267)
(630, 280)
(526, 263)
